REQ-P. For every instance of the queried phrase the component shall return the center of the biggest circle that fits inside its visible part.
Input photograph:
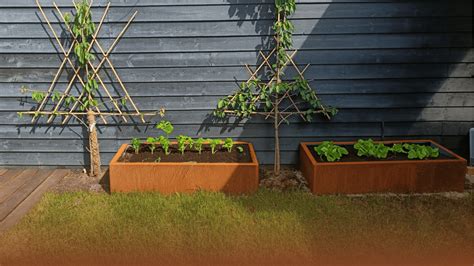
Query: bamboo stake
(88, 49)
(300, 73)
(50, 89)
(85, 113)
(110, 63)
(118, 78)
(62, 47)
(76, 72)
(108, 52)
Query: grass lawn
(270, 227)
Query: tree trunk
(93, 145)
(276, 164)
(276, 113)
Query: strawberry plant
(228, 144)
(152, 143)
(136, 143)
(330, 151)
(198, 144)
(368, 148)
(184, 142)
(213, 143)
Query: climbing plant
(79, 58)
(270, 94)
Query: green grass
(267, 225)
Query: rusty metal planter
(170, 177)
(404, 176)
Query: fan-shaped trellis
(79, 58)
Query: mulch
(289, 179)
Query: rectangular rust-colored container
(169, 177)
(406, 176)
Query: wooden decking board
(23, 207)
(10, 186)
(2, 171)
(8, 175)
(32, 179)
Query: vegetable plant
(368, 148)
(330, 151)
(228, 144)
(213, 143)
(398, 148)
(240, 149)
(271, 95)
(136, 143)
(198, 143)
(152, 142)
(420, 152)
(165, 144)
(183, 142)
(166, 127)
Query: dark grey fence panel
(395, 69)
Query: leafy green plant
(83, 28)
(330, 151)
(228, 144)
(267, 93)
(214, 143)
(37, 96)
(152, 143)
(136, 143)
(398, 148)
(240, 149)
(165, 144)
(184, 142)
(166, 127)
(198, 143)
(368, 148)
(420, 152)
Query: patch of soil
(289, 179)
(352, 156)
(206, 156)
(78, 180)
(469, 184)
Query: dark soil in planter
(190, 155)
(352, 156)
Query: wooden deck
(21, 189)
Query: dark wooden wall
(398, 69)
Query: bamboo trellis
(277, 106)
(105, 54)
(293, 107)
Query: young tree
(83, 105)
(269, 94)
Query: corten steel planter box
(170, 177)
(404, 176)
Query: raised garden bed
(353, 174)
(233, 172)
